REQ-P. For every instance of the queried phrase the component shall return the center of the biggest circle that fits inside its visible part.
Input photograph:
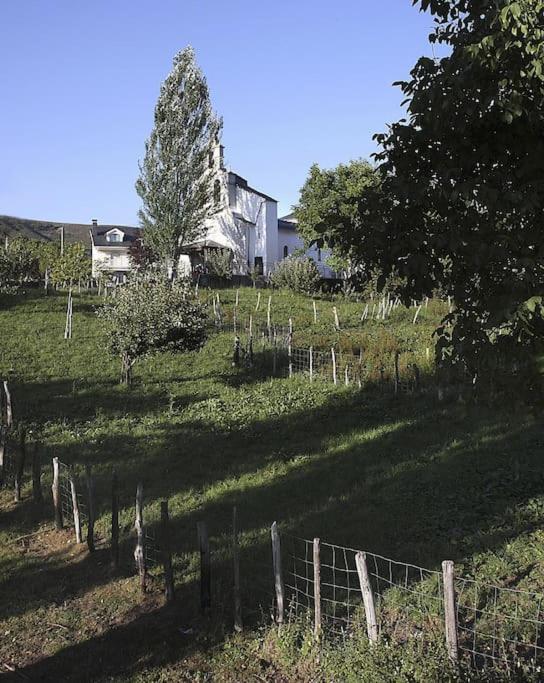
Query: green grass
(405, 477)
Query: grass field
(406, 477)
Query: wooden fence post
(205, 566)
(55, 488)
(290, 347)
(114, 520)
(333, 356)
(9, 407)
(139, 550)
(336, 321)
(450, 609)
(75, 508)
(397, 374)
(89, 480)
(315, 311)
(274, 359)
(346, 375)
(311, 363)
(19, 470)
(317, 590)
(236, 354)
(166, 552)
(269, 316)
(368, 597)
(236, 573)
(36, 475)
(258, 301)
(416, 314)
(276, 565)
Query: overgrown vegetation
(297, 273)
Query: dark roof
(286, 225)
(98, 234)
(242, 182)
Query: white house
(110, 246)
(245, 221)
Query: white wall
(110, 259)
(292, 240)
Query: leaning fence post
(317, 590)
(333, 356)
(276, 564)
(269, 316)
(450, 609)
(368, 597)
(75, 508)
(89, 479)
(205, 568)
(36, 475)
(311, 363)
(315, 311)
(114, 520)
(19, 471)
(55, 488)
(166, 552)
(139, 551)
(236, 573)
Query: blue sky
(296, 81)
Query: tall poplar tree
(176, 178)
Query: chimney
(95, 223)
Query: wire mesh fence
(495, 625)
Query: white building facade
(245, 221)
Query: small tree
(299, 274)
(176, 182)
(150, 315)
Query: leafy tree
(463, 198)
(74, 264)
(299, 274)
(333, 209)
(150, 315)
(141, 255)
(176, 182)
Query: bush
(219, 263)
(148, 315)
(297, 274)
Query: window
(318, 254)
(210, 158)
(114, 237)
(285, 251)
(217, 192)
(259, 265)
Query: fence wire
(499, 625)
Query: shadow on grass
(406, 478)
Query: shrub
(148, 315)
(219, 263)
(297, 274)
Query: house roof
(242, 182)
(98, 235)
(286, 225)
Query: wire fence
(495, 625)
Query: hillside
(401, 476)
(44, 230)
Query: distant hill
(46, 230)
